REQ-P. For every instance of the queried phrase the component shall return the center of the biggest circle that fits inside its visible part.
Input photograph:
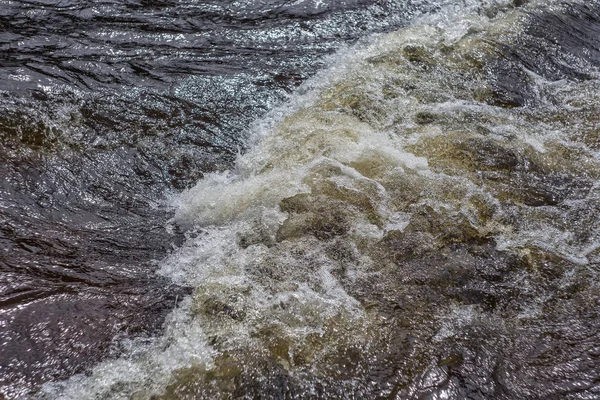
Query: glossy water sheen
(418, 221)
(106, 106)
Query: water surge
(419, 220)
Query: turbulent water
(187, 213)
(105, 108)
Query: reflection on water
(105, 106)
(417, 221)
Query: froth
(404, 198)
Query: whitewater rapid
(416, 221)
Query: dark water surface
(105, 106)
(418, 221)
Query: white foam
(146, 366)
(237, 215)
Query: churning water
(191, 211)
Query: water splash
(418, 221)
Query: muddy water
(418, 220)
(107, 107)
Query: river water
(300, 199)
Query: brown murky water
(105, 108)
(418, 220)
